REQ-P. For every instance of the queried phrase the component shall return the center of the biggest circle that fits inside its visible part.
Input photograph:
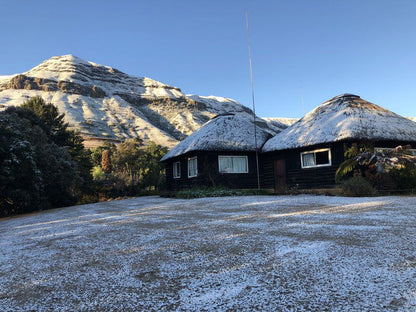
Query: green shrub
(98, 173)
(405, 177)
(208, 192)
(358, 186)
(256, 192)
(88, 199)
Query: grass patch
(207, 192)
(216, 192)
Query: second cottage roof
(344, 117)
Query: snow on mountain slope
(110, 80)
(107, 104)
(220, 105)
(279, 123)
(110, 118)
(5, 77)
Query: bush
(36, 172)
(98, 173)
(256, 192)
(208, 192)
(405, 177)
(357, 187)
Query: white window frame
(233, 156)
(317, 151)
(177, 173)
(196, 166)
(391, 149)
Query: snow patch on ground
(268, 253)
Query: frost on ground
(268, 253)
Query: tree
(152, 170)
(97, 152)
(106, 161)
(35, 173)
(19, 175)
(53, 122)
(57, 130)
(386, 170)
(127, 162)
(350, 164)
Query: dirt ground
(255, 253)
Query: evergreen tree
(106, 161)
(35, 173)
(53, 122)
(57, 130)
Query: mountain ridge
(107, 104)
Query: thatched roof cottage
(308, 153)
(222, 152)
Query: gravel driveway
(266, 253)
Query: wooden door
(279, 175)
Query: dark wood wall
(208, 172)
(320, 177)
(298, 177)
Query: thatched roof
(224, 133)
(344, 117)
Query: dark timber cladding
(295, 175)
(285, 166)
(208, 171)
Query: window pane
(225, 164)
(322, 158)
(308, 159)
(192, 167)
(177, 170)
(239, 164)
(232, 164)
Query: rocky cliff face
(107, 104)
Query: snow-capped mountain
(107, 104)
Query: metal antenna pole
(254, 107)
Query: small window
(192, 167)
(233, 164)
(316, 158)
(176, 170)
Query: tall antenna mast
(254, 107)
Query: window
(176, 170)
(192, 167)
(316, 158)
(233, 164)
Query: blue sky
(301, 48)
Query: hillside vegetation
(44, 164)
